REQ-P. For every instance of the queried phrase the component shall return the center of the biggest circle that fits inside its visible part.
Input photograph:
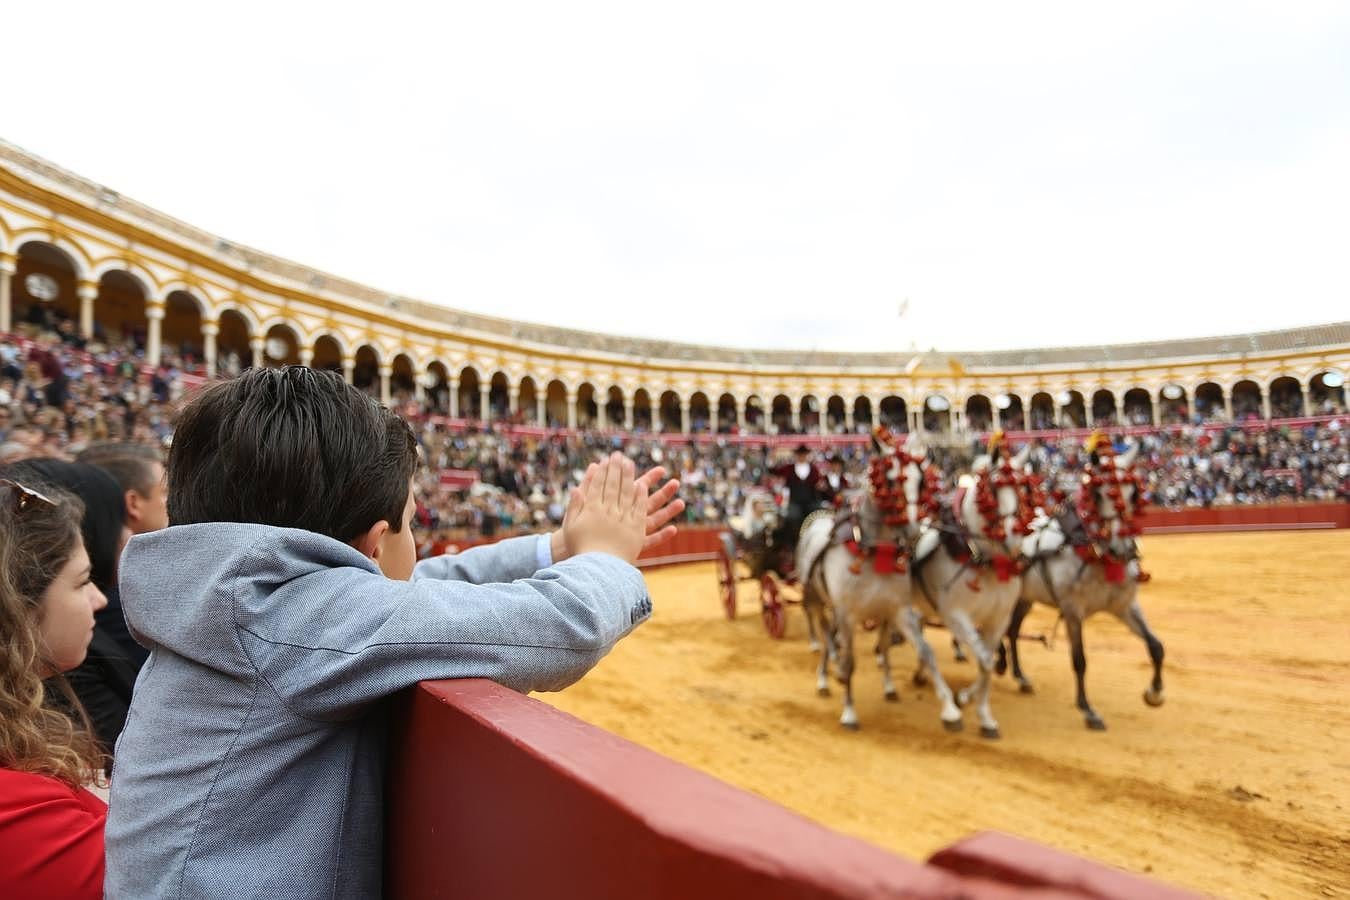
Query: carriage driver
(808, 490)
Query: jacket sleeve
(503, 561)
(369, 637)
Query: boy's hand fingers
(636, 510)
(664, 534)
(613, 480)
(658, 519)
(663, 496)
(595, 491)
(628, 488)
(653, 477)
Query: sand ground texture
(1239, 786)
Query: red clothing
(51, 838)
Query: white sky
(774, 175)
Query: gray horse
(1078, 583)
(966, 570)
(857, 568)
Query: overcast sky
(774, 175)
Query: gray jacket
(251, 763)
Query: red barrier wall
(699, 542)
(495, 795)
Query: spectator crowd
(57, 398)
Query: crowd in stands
(56, 398)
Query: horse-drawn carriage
(752, 549)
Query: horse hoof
(813, 646)
(1095, 723)
(1027, 687)
(1153, 698)
(953, 726)
(989, 734)
(962, 700)
(851, 726)
(1000, 667)
(920, 679)
(892, 697)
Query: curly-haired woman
(51, 828)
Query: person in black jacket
(103, 682)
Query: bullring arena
(1238, 785)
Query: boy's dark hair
(294, 448)
(133, 465)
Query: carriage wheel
(726, 582)
(771, 607)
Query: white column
(628, 412)
(306, 355)
(738, 411)
(998, 416)
(848, 416)
(1120, 408)
(154, 317)
(386, 372)
(1155, 403)
(958, 424)
(87, 291)
(349, 369)
(1307, 399)
(8, 266)
(452, 400)
(419, 393)
(485, 401)
(686, 424)
(256, 345)
(916, 420)
(796, 414)
(1265, 404)
(541, 407)
(1227, 403)
(515, 399)
(209, 331)
(571, 408)
(823, 423)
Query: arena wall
(492, 794)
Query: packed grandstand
(492, 478)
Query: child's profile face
(398, 550)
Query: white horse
(1103, 577)
(967, 573)
(864, 577)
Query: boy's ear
(368, 543)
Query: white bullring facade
(117, 268)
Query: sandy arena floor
(1239, 786)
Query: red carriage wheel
(726, 582)
(771, 607)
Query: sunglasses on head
(24, 496)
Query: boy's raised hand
(660, 507)
(608, 511)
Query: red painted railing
(495, 795)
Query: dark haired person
(280, 614)
(51, 828)
(139, 471)
(104, 681)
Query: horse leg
(958, 651)
(980, 692)
(844, 642)
(826, 654)
(963, 630)
(884, 655)
(911, 625)
(1133, 616)
(1014, 629)
(811, 605)
(1074, 627)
